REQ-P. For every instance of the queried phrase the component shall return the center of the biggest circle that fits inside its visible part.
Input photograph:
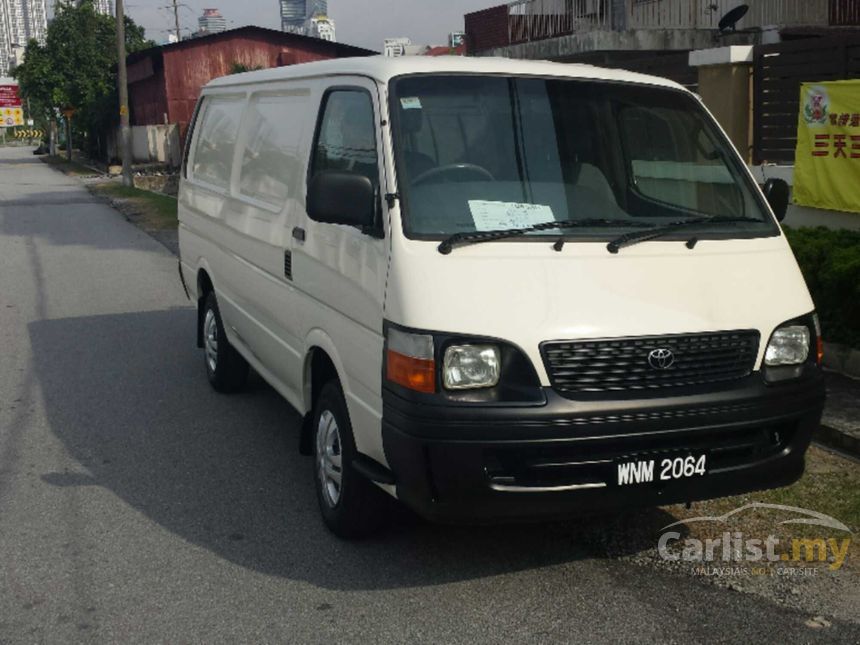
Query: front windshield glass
(482, 153)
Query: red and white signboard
(9, 97)
(11, 112)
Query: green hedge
(830, 261)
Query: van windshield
(486, 153)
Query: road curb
(168, 238)
(838, 439)
(96, 171)
(842, 359)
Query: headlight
(788, 346)
(469, 367)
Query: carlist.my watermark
(736, 553)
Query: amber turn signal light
(414, 373)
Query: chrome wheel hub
(210, 340)
(329, 458)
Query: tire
(352, 507)
(225, 367)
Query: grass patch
(830, 485)
(72, 168)
(152, 210)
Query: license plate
(635, 471)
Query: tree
(240, 68)
(77, 67)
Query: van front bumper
(484, 463)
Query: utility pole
(176, 18)
(124, 127)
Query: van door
(342, 270)
(267, 200)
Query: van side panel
(241, 230)
(265, 198)
(342, 273)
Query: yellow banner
(827, 161)
(10, 117)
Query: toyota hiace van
(498, 290)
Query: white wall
(153, 144)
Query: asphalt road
(137, 505)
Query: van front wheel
(351, 506)
(225, 367)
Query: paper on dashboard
(499, 216)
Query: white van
(498, 289)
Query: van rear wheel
(351, 506)
(225, 367)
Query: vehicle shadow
(127, 396)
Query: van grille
(624, 364)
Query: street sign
(29, 134)
(9, 97)
(11, 112)
(10, 117)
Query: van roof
(384, 68)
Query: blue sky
(359, 22)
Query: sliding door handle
(299, 234)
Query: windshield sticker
(411, 103)
(501, 216)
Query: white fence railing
(706, 14)
(540, 19)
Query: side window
(271, 167)
(213, 153)
(347, 135)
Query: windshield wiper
(635, 237)
(476, 237)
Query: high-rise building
(211, 22)
(322, 27)
(396, 47)
(297, 14)
(101, 6)
(20, 22)
(317, 8)
(293, 15)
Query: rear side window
(213, 154)
(271, 167)
(346, 139)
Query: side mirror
(347, 198)
(777, 192)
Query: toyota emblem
(661, 359)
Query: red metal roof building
(164, 82)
